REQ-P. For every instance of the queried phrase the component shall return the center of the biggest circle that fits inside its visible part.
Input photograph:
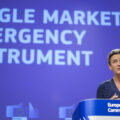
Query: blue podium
(97, 109)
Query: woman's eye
(114, 61)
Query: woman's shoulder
(104, 90)
(106, 83)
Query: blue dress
(107, 89)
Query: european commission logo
(20, 112)
(66, 112)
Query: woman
(110, 89)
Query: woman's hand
(115, 96)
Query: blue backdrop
(53, 54)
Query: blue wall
(53, 54)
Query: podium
(97, 109)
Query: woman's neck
(116, 78)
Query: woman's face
(115, 64)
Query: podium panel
(103, 118)
(97, 109)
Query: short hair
(113, 52)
